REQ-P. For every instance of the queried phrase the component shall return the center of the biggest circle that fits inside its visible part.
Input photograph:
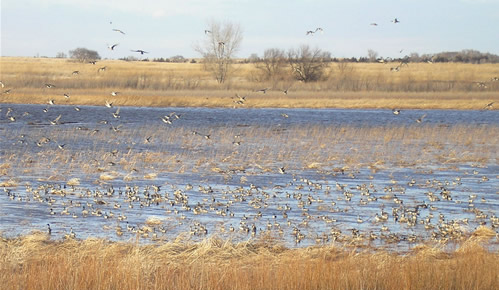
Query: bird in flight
(117, 30)
(207, 31)
(395, 21)
(111, 47)
(140, 51)
(114, 94)
(374, 24)
(311, 32)
(108, 104)
(49, 86)
(396, 111)
(488, 106)
(262, 90)
(420, 119)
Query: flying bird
(488, 106)
(396, 111)
(395, 21)
(140, 51)
(262, 90)
(311, 32)
(49, 86)
(374, 24)
(108, 104)
(67, 96)
(111, 47)
(420, 119)
(56, 121)
(207, 31)
(114, 93)
(117, 30)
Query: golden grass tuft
(36, 262)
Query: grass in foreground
(36, 262)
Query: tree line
(223, 40)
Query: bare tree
(308, 64)
(222, 42)
(83, 54)
(273, 63)
(372, 55)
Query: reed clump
(37, 262)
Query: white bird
(395, 21)
(49, 86)
(51, 102)
(114, 93)
(396, 111)
(108, 104)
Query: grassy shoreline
(359, 86)
(36, 262)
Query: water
(216, 172)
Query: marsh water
(155, 173)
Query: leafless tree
(372, 55)
(222, 41)
(308, 64)
(273, 64)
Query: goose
(117, 30)
(51, 102)
(262, 90)
(76, 72)
(6, 92)
(114, 93)
(49, 86)
(111, 47)
(92, 62)
(282, 170)
(207, 31)
(395, 69)
(2, 85)
(102, 69)
(49, 230)
(374, 24)
(67, 96)
(108, 104)
(140, 51)
(396, 21)
(396, 111)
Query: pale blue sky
(166, 28)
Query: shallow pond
(301, 176)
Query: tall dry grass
(349, 85)
(36, 262)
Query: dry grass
(36, 262)
(425, 86)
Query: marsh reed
(36, 262)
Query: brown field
(349, 85)
(36, 262)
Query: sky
(167, 28)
